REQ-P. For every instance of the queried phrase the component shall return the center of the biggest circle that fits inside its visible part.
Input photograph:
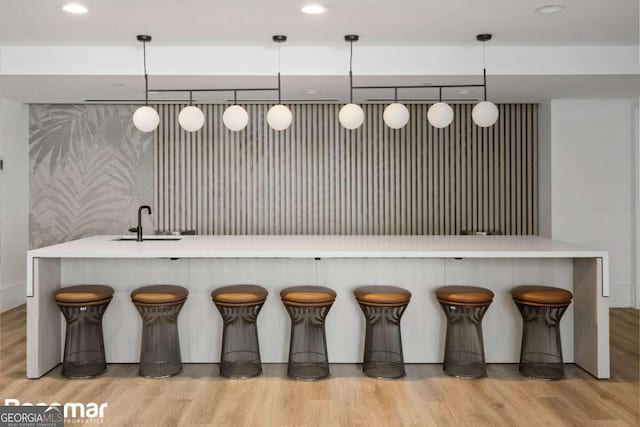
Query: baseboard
(12, 296)
(621, 295)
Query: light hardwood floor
(425, 397)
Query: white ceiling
(380, 22)
(524, 88)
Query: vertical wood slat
(318, 178)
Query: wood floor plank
(426, 397)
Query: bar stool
(308, 307)
(159, 306)
(541, 308)
(464, 307)
(383, 307)
(239, 306)
(83, 307)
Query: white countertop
(319, 247)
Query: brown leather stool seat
(464, 295)
(159, 307)
(308, 296)
(382, 295)
(159, 294)
(541, 296)
(239, 295)
(464, 307)
(83, 295)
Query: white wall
(14, 202)
(592, 183)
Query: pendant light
(145, 118)
(279, 116)
(235, 117)
(351, 115)
(484, 113)
(396, 115)
(191, 118)
(440, 114)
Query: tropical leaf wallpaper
(90, 169)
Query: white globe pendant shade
(351, 116)
(440, 115)
(396, 115)
(235, 118)
(191, 118)
(485, 114)
(146, 119)
(279, 117)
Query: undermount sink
(155, 239)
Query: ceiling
(522, 88)
(380, 22)
(450, 23)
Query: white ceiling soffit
(319, 60)
(524, 88)
(380, 22)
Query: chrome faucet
(139, 227)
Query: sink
(155, 239)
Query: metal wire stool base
(384, 370)
(541, 350)
(308, 371)
(464, 347)
(383, 357)
(308, 358)
(84, 355)
(542, 371)
(160, 349)
(465, 370)
(240, 356)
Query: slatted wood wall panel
(318, 178)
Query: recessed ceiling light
(75, 8)
(313, 9)
(310, 92)
(547, 9)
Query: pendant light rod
(136, 101)
(484, 38)
(350, 38)
(279, 38)
(233, 89)
(279, 90)
(144, 38)
(417, 86)
(484, 78)
(421, 100)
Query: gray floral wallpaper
(90, 170)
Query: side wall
(592, 191)
(14, 202)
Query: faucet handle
(133, 230)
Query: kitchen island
(417, 263)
